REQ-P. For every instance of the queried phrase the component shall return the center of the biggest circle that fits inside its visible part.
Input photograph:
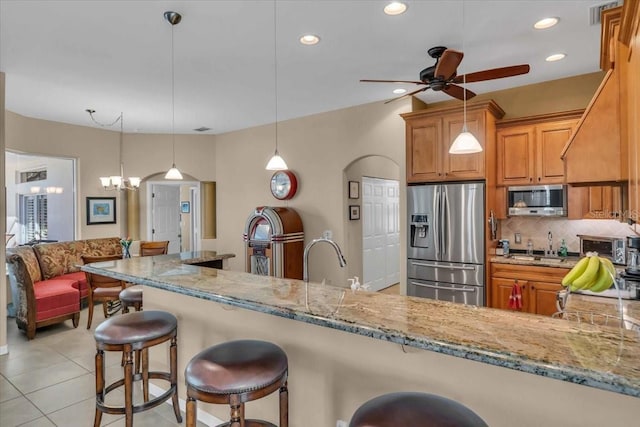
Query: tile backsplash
(536, 229)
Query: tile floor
(50, 381)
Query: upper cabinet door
(463, 166)
(550, 140)
(423, 150)
(515, 155)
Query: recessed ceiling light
(399, 91)
(395, 8)
(545, 23)
(555, 57)
(309, 39)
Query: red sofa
(46, 282)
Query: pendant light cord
(464, 82)
(173, 100)
(275, 60)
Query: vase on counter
(126, 244)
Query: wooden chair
(101, 288)
(132, 295)
(154, 248)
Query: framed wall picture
(101, 210)
(354, 190)
(185, 207)
(354, 212)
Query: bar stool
(411, 409)
(234, 373)
(131, 297)
(136, 332)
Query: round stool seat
(131, 295)
(415, 410)
(135, 328)
(236, 367)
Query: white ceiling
(61, 57)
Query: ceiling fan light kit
(174, 19)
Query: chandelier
(116, 182)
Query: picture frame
(185, 207)
(354, 189)
(101, 210)
(354, 212)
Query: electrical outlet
(327, 234)
(518, 238)
(341, 423)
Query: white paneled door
(380, 232)
(165, 200)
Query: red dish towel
(515, 299)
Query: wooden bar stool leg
(145, 371)
(90, 316)
(284, 406)
(236, 411)
(128, 386)
(192, 405)
(99, 386)
(173, 361)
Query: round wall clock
(284, 185)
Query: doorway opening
(174, 214)
(380, 232)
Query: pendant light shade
(174, 19)
(276, 162)
(465, 143)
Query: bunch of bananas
(591, 273)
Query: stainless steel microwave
(537, 200)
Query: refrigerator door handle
(450, 267)
(424, 285)
(436, 221)
(445, 221)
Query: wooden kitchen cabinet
(539, 286)
(596, 202)
(430, 133)
(528, 149)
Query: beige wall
(318, 149)
(3, 211)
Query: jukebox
(274, 241)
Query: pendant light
(174, 19)
(465, 143)
(276, 162)
(116, 182)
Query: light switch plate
(517, 238)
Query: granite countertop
(566, 262)
(579, 352)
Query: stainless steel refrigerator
(446, 242)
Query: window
(33, 216)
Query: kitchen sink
(537, 258)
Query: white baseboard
(203, 417)
(4, 349)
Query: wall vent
(594, 12)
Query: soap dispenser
(563, 251)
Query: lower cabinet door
(542, 297)
(501, 292)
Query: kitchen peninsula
(347, 347)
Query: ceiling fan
(442, 76)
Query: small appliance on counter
(614, 248)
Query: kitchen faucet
(305, 265)
(550, 251)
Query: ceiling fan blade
(495, 73)
(393, 81)
(448, 64)
(458, 92)
(407, 94)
